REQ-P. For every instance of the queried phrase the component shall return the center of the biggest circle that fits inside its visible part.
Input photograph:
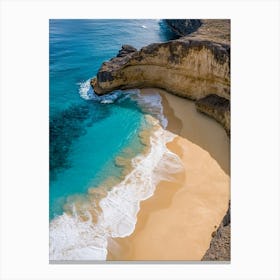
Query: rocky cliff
(219, 249)
(192, 66)
(195, 66)
(189, 68)
(216, 107)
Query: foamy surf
(150, 102)
(86, 92)
(74, 238)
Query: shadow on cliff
(166, 32)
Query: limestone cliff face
(189, 68)
(193, 66)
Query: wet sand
(185, 121)
(176, 223)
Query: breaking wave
(75, 237)
(149, 102)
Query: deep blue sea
(85, 134)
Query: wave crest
(149, 102)
(86, 92)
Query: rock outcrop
(188, 68)
(216, 107)
(193, 66)
(219, 249)
(125, 50)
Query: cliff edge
(193, 66)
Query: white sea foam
(106, 101)
(151, 103)
(86, 92)
(72, 238)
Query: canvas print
(139, 148)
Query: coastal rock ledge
(193, 66)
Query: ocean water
(89, 133)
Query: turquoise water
(86, 135)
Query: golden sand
(185, 121)
(176, 223)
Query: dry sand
(176, 223)
(196, 127)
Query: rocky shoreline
(217, 107)
(195, 66)
(219, 249)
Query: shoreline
(184, 212)
(157, 200)
(184, 120)
(108, 212)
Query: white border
(24, 138)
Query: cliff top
(217, 30)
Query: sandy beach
(176, 223)
(196, 127)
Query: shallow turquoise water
(86, 135)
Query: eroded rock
(125, 50)
(220, 249)
(193, 66)
(189, 68)
(216, 107)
